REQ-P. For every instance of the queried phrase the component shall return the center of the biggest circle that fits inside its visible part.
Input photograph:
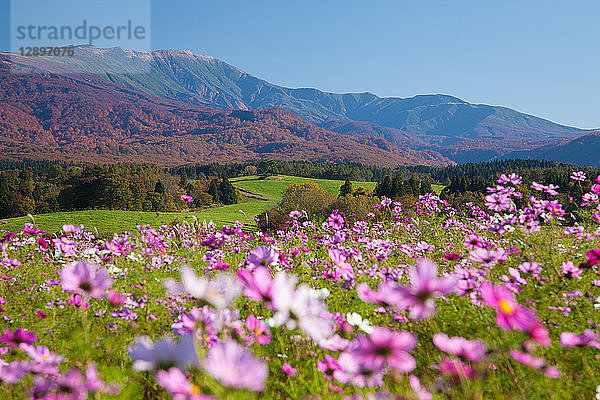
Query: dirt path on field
(251, 195)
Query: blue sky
(539, 57)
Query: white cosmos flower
(221, 292)
(355, 319)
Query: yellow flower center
(195, 389)
(506, 307)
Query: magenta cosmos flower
(19, 336)
(235, 367)
(593, 257)
(85, 278)
(509, 313)
(335, 220)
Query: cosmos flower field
(418, 301)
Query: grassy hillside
(274, 186)
(108, 221)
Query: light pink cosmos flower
(472, 350)
(85, 278)
(68, 228)
(258, 284)
(259, 330)
(221, 292)
(512, 178)
(176, 384)
(262, 256)
(488, 258)
(299, 308)
(420, 391)
(235, 367)
(352, 370)
(385, 347)
(587, 338)
(570, 270)
(41, 354)
(497, 202)
(535, 362)
(425, 287)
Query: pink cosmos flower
(115, 298)
(593, 257)
(578, 176)
(420, 391)
(487, 258)
(425, 287)
(509, 313)
(13, 372)
(18, 337)
(343, 269)
(288, 369)
(385, 347)
(295, 214)
(587, 338)
(497, 202)
(68, 228)
(176, 384)
(354, 371)
(328, 367)
(41, 354)
(535, 363)
(235, 367)
(570, 270)
(452, 367)
(187, 198)
(85, 278)
(512, 178)
(262, 256)
(472, 350)
(258, 329)
(258, 284)
(335, 220)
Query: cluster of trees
(316, 204)
(397, 187)
(476, 173)
(307, 169)
(42, 187)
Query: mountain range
(189, 92)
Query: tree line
(55, 186)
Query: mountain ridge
(441, 123)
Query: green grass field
(108, 221)
(274, 186)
